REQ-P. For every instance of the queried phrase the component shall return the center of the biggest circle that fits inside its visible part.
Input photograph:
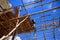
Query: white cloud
(10, 38)
(10, 4)
(16, 38)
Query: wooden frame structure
(7, 26)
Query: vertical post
(44, 18)
(14, 33)
(35, 38)
(59, 25)
(53, 29)
(18, 15)
(44, 35)
(24, 6)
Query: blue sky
(39, 34)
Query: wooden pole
(18, 15)
(13, 29)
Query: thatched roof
(6, 26)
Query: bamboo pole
(13, 29)
(35, 13)
(18, 15)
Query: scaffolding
(44, 24)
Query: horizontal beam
(45, 10)
(36, 13)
